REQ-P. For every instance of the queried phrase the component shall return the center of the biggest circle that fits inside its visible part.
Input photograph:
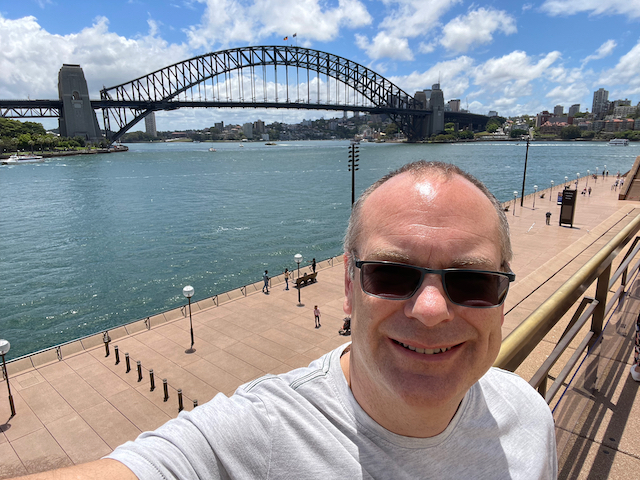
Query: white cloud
(454, 75)
(604, 51)
(106, 58)
(568, 94)
(626, 72)
(513, 67)
(412, 18)
(385, 46)
(630, 8)
(226, 22)
(476, 28)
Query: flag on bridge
(285, 38)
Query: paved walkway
(79, 408)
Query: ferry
(619, 142)
(17, 159)
(212, 149)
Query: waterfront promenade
(81, 407)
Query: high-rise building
(600, 102)
(150, 124)
(454, 105)
(558, 110)
(573, 109)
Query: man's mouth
(425, 351)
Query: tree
(391, 129)
(518, 132)
(570, 132)
(492, 127)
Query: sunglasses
(467, 288)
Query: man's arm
(99, 469)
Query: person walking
(286, 277)
(589, 191)
(548, 215)
(265, 277)
(316, 313)
(313, 265)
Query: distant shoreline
(67, 153)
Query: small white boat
(212, 149)
(17, 159)
(623, 142)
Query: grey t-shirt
(306, 424)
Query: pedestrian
(589, 191)
(265, 277)
(313, 265)
(548, 215)
(316, 313)
(286, 277)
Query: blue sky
(512, 57)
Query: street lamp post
(4, 349)
(566, 179)
(535, 192)
(604, 170)
(298, 258)
(515, 197)
(551, 192)
(188, 292)
(596, 179)
(588, 175)
(577, 179)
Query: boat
(269, 143)
(212, 149)
(18, 159)
(623, 142)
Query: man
(265, 278)
(427, 257)
(316, 314)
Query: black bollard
(152, 380)
(115, 349)
(180, 406)
(166, 389)
(106, 349)
(139, 370)
(126, 358)
(195, 403)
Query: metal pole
(6, 376)
(524, 175)
(190, 323)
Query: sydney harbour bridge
(249, 77)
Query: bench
(306, 278)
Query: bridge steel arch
(364, 90)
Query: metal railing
(517, 346)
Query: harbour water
(94, 241)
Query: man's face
(435, 223)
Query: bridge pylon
(77, 117)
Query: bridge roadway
(81, 407)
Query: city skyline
(513, 59)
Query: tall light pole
(515, 197)
(577, 179)
(588, 175)
(524, 175)
(298, 258)
(4, 349)
(566, 179)
(535, 192)
(188, 292)
(551, 193)
(596, 179)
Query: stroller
(346, 327)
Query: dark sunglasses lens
(474, 289)
(389, 281)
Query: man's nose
(430, 303)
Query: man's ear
(348, 286)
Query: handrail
(522, 341)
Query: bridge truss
(259, 77)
